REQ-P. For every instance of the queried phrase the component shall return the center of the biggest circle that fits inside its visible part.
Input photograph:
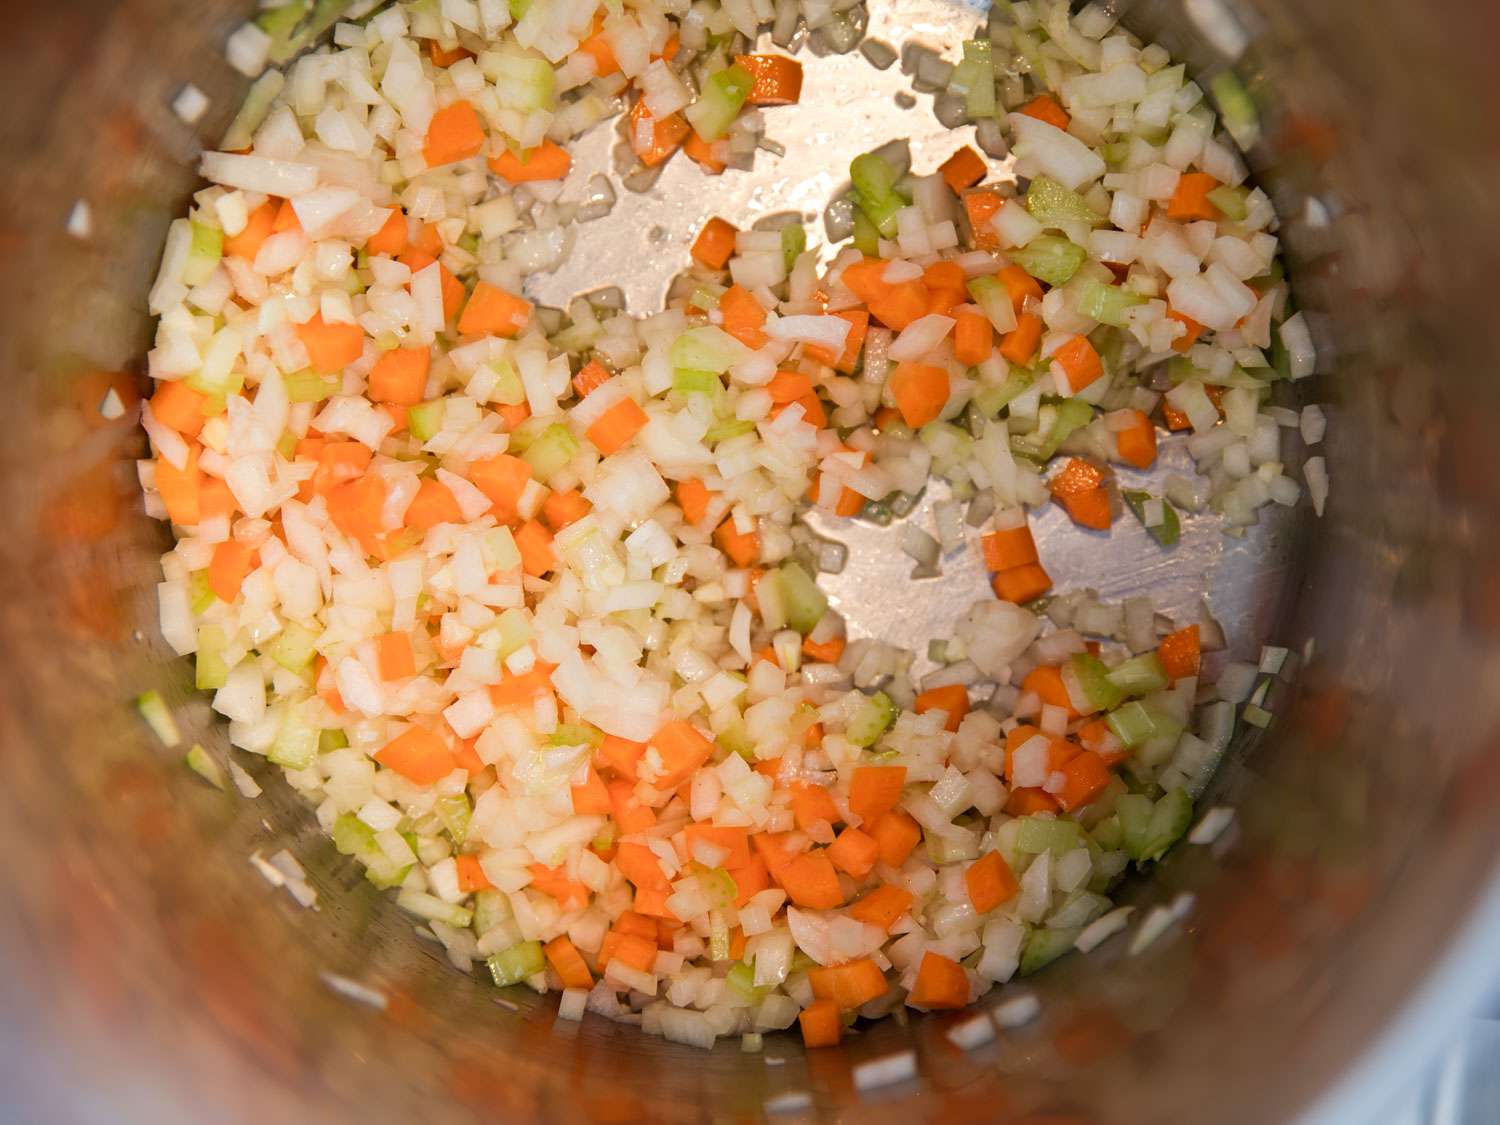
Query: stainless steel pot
(147, 974)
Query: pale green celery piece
(1108, 834)
(551, 451)
(425, 419)
(1050, 258)
(253, 110)
(509, 390)
(1053, 205)
(793, 243)
(204, 254)
(490, 910)
(202, 763)
(522, 960)
(230, 384)
(705, 348)
(802, 601)
(688, 381)
(294, 34)
(200, 593)
(741, 981)
(1043, 834)
(992, 400)
(875, 193)
(311, 386)
(866, 236)
(1236, 108)
(332, 739)
(1170, 817)
(1166, 533)
(296, 743)
(294, 648)
(454, 812)
(1139, 675)
(576, 734)
(210, 672)
(719, 887)
(728, 428)
(875, 713)
(1093, 678)
(513, 631)
(158, 716)
(719, 103)
(994, 300)
(734, 739)
(1043, 946)
(1106, 303)
(500, 550)
(1133, 723)
(1232, 201)
(1134, 813)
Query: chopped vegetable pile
(520, 599)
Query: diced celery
(1058, 421)
(490, 910)
(991, 400)
(994, 299)
(1092, 677)
(1241, 118)
(522, 960)
(286, 445)
(1050, 258)
(976, 80)
(513, 630)
(454, 812)
(1134, 813)
(311, 386)
(706, 348)
(1133, 723)
(575, 734)
(425, 419)
(204, 253)
(230, 384)
(500, 550)
(1140, 675)
(1053, 205)
(719, 888)
(866, 235)
(704, 298)
(955, 848)
(802, 601)
(741, 981)
(688, 381)
(1106, 303)
(734, 739)
(1044, 946)
(1232, 201)
(253, 110)
(352, 836)
(294, 648)
(875, 192)
(522, 82)
(1166, 533)
(793, 243)
(158, 716)
(605, 838)
(551, 452)
(210, 672)
(728, 428)
(508, 390)
(202, 763)
(293, 33)
(1039, 834)
(200, 594)
(332, 739)
(875, 713)
(1170, 818)
(1108, 833)
(296, 743)
(719, 102)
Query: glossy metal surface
(146, 972)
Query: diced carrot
(629, 922)
(742, 549)
(944, 275)
(432, 505)
(394, 657)
(743, 316)
(900, 304)
(590, 378)
(597, 46)
(569, 893)
(1008, 547)
(1079, 362)
(639, 864)
(772, 848)
(750, 879)
(1075, 477)
(811, 881)
(735, 840)
(468, 758)
(417, 755)
(636, 950)
(357, 509)
(613, 429)
(701, 153)
(920, 390)
(471, 876)
(874, 790)
(849, 502)
(338, 463)
(882, 906)
(523, 690)
(848, 359)
(866, 279)
(693, 498)
(653, 901)
(396, 413)
(231, 563)
(286, 218)
(1087, 776)
(897, 833)
(180, 489)
(855, 852)
(990, 882)
(812, 410)
(492, 311)
(1046, 681)
(400, 376)
(1088, 509)
(1027, 802)
(548, 161)
(1044, 107)
(214, 498)
(941, 983)
(564, 957)
(1185, 342)
(1181, 653)
(454, 133)
(429, 241)
(952, 699)
(331, 347)
(1097, 738)
(963, 169)
(629, 813)
(811, 804)
(981, 207)
(453, 289)
(502, 478)
(327, 689)
(661, 138)
(778, 79)
(820, 1024)
(177, 405)
(973, 338)
(789, 386)
(1021, 584)
(1019, 345)
(849, 985)
(1137, 445)
(446, 56)
(248, 242)
(621, 755)
(535, 544)
(714, 245)
(562, 509)
(828, 652)
(682, 750)
(1190, 201)
(1020, 286)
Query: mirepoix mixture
(520, 598)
